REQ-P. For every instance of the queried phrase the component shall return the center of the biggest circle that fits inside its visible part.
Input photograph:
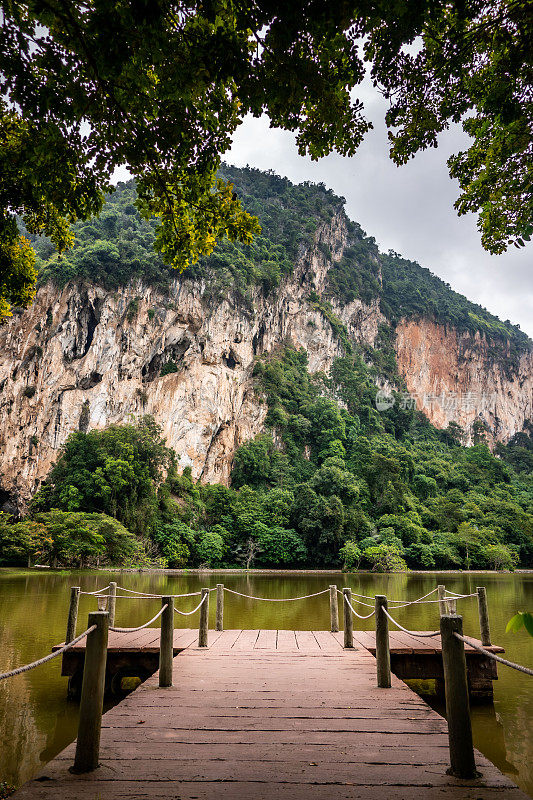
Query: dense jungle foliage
(334, 482)
(118, 246)
(345, 485)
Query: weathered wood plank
(328, 642)
(267, 640)
(287, 641)
(306, 642)
(89, 789)
(266, 714)
(246, 640)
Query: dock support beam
(92, 695)
(333, 609)
(462, 762)
(112, 605)
(166, 642)
(483, 609)
(220, 607)
(348, 618)
(72, 613)
(204, 620)
(382, 643)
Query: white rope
(132, 630)
(56, 653)
(360, 602)
(139, 596)
(98, 590)
(412, 633)
(148, 594)
(369, 597)
(355, 612)
(188, 613)
(519, 667)
(276, 599)
(420, 600)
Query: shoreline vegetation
(280, 572)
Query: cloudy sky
(408, 209)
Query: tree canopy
(160, 87)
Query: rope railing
(98, 590)
(27, 667)
(359, 616)
(493, 656)
(276, 599)
(189, 613)
(412, 633)
(141, 595)
(419, 599)
(140, 627)
(149, 594)
(404, 603)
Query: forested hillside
(118, 245)
(332, 481)
(348, 486)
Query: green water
(36, 720)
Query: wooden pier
(412, 657)
(259, 715)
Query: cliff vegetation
(118, 246)
(333, 482)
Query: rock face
(461, 377)
(84, 358)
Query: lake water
(37, 721)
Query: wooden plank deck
(259, 716)
(147, 641)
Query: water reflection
(36, 721)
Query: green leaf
(515, 623)
(527, 619)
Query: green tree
(175, 541)
(384, 558)
(116, 471)
(279, 547)
(211, 546)
(80, 540)
(160, 89)
(21, 542)
(350, 555)
(499, 556)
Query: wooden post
(220, 607)
(166, 642)
(112, 604)
(462, 762)
(204, 620)
(382, 643)
(92, 694)
(483, 616)
(333, 609)
(348, 618)
(72, 613)
(442, 603)
(451, 604)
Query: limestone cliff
(460, 377)
(84, 358)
